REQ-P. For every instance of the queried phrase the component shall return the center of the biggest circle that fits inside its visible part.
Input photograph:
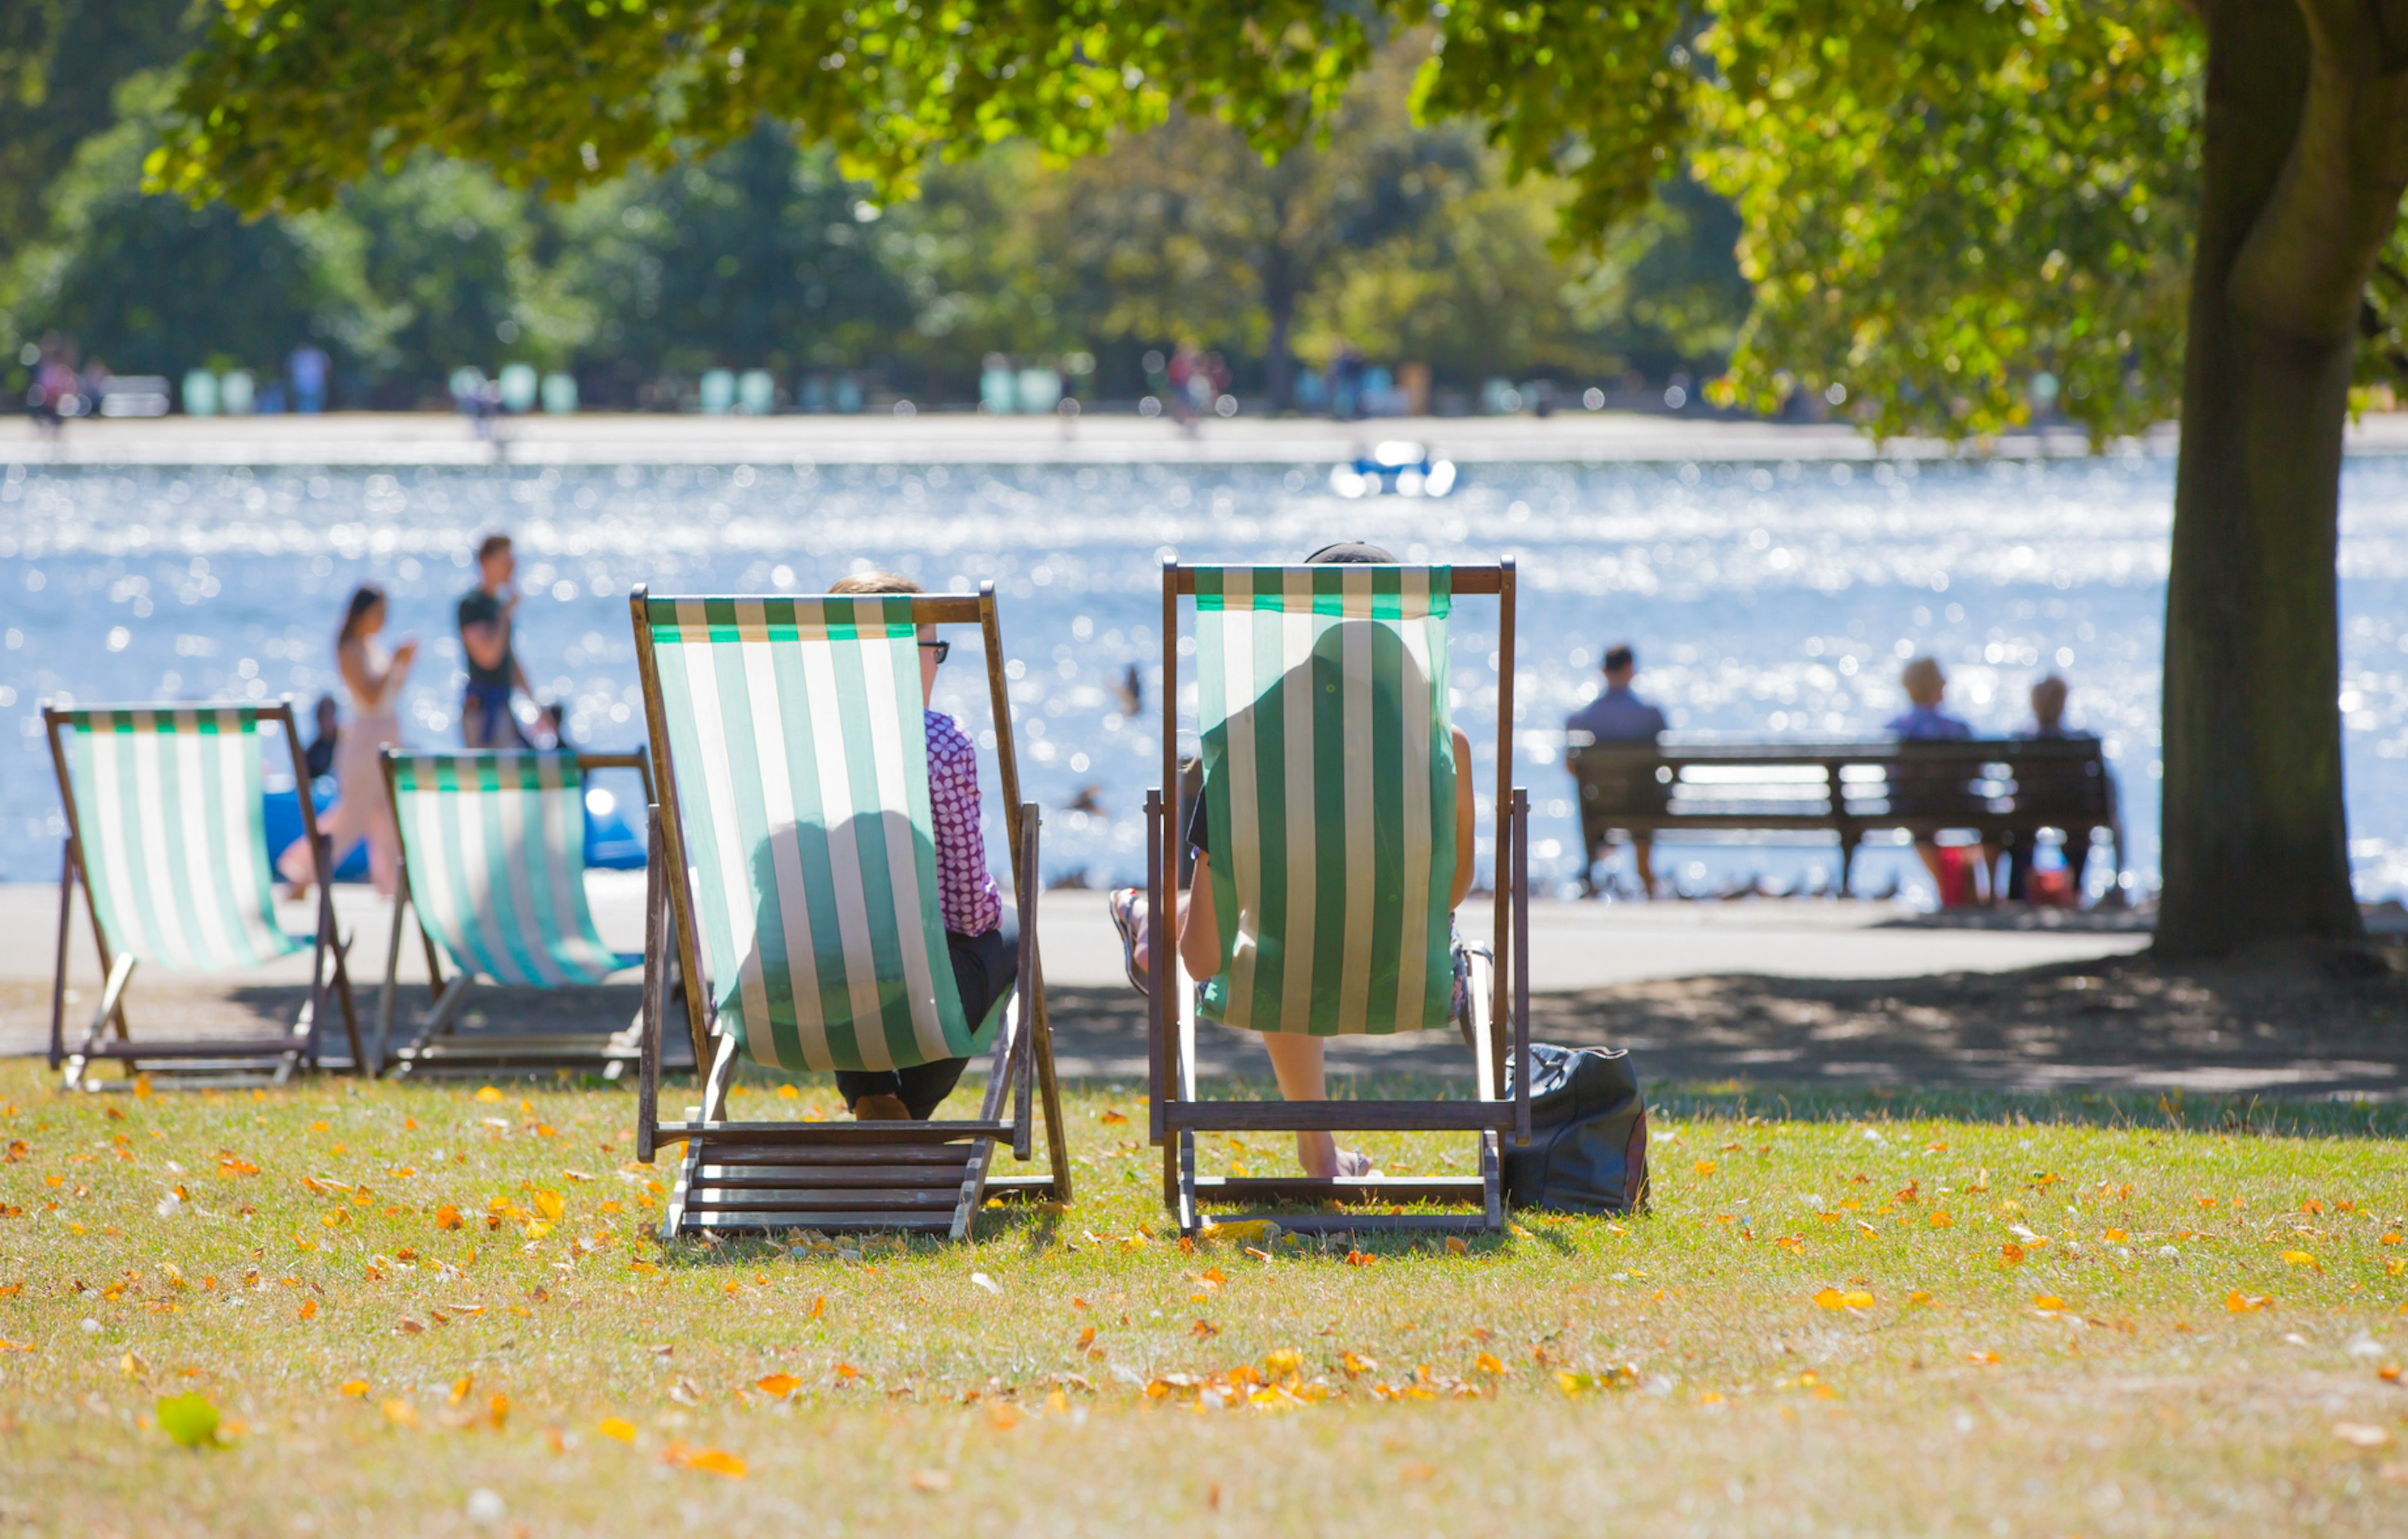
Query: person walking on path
(1619, 715)
(362, 810)
(487, 613)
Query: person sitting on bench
(1619, 715)
(1927, 720)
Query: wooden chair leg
(59, 974)
(392, 964)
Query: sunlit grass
(1887, 1312)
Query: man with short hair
(1619, 715)
(2048, 721)
(494, 672)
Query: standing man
(1618, 715)
(494, 672)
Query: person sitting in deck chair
(1296, 1055)
(981, 938)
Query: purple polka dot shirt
(965, 896)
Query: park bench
(1995, 786)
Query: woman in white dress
(362, 810)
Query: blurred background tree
(1409, 243)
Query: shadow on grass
(2173, 1111)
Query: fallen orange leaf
(716, 1461)
(1942, 1221)
(309, 1309)
(1704, 1166)
(446, 1217)
(2010, 1253)
(401, 1412)
(777, 1386)
(355, 1389)
(2242, 1304)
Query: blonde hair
(869, 583)
(1923, 680)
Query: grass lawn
(440, 1309)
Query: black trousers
(2019, 848)
(985, 967)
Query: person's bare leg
(1930, 853)
(1296, 1059)
(1642, 856)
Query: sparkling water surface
(1773, 600)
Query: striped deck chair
(794, 880)
(1329, 796)
(167, 836)
(493, 860)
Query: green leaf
(189, 1419)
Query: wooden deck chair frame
(1499, 989)
(767, 1177)
(436, 1045)
(191, 1062)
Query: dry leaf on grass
(616, 1427)
(777, 1386)
(2360, 1434)
(931, 1480)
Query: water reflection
(1764, 600)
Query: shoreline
(1576, 437)
(364, 439)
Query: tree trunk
(2255, 834)
(1279, 365)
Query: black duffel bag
(1588, 1133)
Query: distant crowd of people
(1617, 714)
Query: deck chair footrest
(804, 1218)
(1305, 1188)
(1280, 1116)
(834, 1156)
(1344, 1223)
(923, 1133)
(225, 1047)
(771, 1178)
(712, 1199)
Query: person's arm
(352, 660)
(1461, 886)
(486, 641)
(1199, 927)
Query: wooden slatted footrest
(225, 1049)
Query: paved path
(1794, 994)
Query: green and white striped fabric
(496, 844)
(1329, 795)
(169, 808)
(798, 743)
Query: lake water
(1765, 599)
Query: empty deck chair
(492, 861)
(1328, 792)
(794, 881)
(167, 836)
